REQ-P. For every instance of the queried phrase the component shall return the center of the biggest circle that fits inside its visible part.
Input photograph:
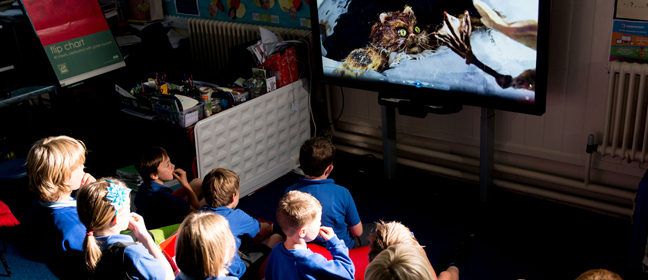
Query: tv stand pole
(388, 118)
(486, 153)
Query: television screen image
(486, 53)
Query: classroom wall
(553, 143)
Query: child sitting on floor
(55, 169)
(104, 208)
(338, 208)
(221, 190)
(204, 247)
(158, 204)
(392, 233)
(400, 261)
(299, 215)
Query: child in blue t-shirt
(158, 204)
(299, 215)
(338, 208)
(204, 247)
(221, 190)
(55, 169)
(104, 208)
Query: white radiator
(626, 126)
(211, 40)
(259, 139)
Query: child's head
(387, 234)
(55, 167)
(205, 245)
(316, 155)
(154, 163)
(300, 214)
(400, 261)
(102, 205)
(220, 187)
(599, 274)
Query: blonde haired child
(599, 274)
(299, 214)
(205, 247)
(104, 208)
(387, 234)
(400, 261)
(55, 169)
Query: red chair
(168, 249)
(7, 220)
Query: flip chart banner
(76, 38)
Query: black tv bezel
(441, 97)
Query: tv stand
(388, 120)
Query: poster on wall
(629, 41)
(76, 38)
(284, 13)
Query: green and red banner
(76, 38)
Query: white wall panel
(259, 139)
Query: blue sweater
(284, 264)
(338, 208)
(64, 235)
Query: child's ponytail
(96, 211)
(91, 251)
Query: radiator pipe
(590, 149)
(473, 162)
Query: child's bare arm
(265, 229)
(136, 224)
(181, 175)
(356, 230)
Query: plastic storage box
(167, 112)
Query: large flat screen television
(485, 53)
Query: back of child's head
(315, 155)
(149, 161)
(387, 234)
(50, 163)
(98, 204)
(599, 274)
(204, 245)
(296, 209)
(218, 187)
(400, 261)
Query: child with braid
(104, 209)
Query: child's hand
(181, 175)
(87, 179)
(136, 224)
(326, 233)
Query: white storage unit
(259, 139)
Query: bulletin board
(284, 13)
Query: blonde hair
(205, 245)
(400, 261)
(599, 274)
(296, 209)
(219, 185)
(387, 234)
(50, 163)
(96, 213)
